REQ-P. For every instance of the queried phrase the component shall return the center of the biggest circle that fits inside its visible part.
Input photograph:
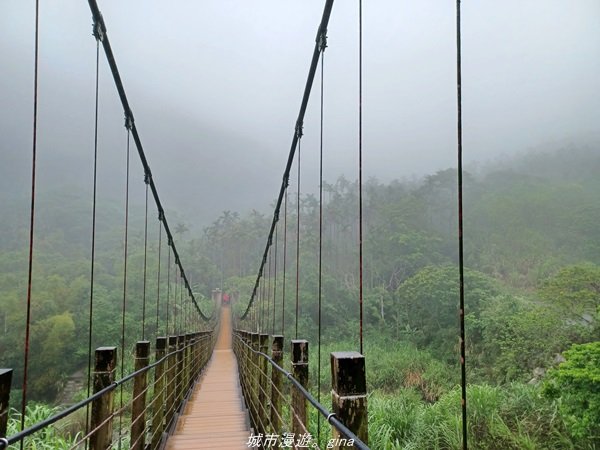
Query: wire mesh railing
(137, 411)
(278, 401)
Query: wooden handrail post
(300, 373)
(253, 374)
(102, 407)
(276, 385)
(171, 379)
(207, 347)
(187, 364)
(199, 338)
(263, 378)
(158, 418)
(138, 407)
(5, 383)
(242, 364)
(180, 371)
(349, 396)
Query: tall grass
(56, 437)
(512, 417)
(390, 365)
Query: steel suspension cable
(158, 273)
(320, 282)
(275, 280)
(268, 313)
(298, 236)
(31, 217)
(168, 288)
(181, 306)
(463, 364)
(292, 152)
(259, 307)
(265, 306)
(284, 262)
(261, 313)
(138, 143)
(93, 243)
(124, 300)
(145, 262)
(185, 313)
(360, 178)
(175, 324)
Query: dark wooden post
(253, 374)
(263, 378)
(300, 373)
(193, 347)
(206, 347)
(199, 338)
(276, 385)
(158, 424)
(171, 378)
(349, 395)
(247, 372)
(242, 364)
(187, 364)
(5, 383)
(138, 407)
(196, 363)
(180, 369)
(102, 407)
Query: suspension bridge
(213, 380)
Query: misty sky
(215, 87)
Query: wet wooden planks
(214, 418)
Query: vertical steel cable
(284, 262)
(261, 299)
(145, 261)
(360, 176)
(256, 315)
(463, 371)
(268, 312)
(32, 216)
(158, 275)
(187, 313)
(261, 316)
(181, 306)
(298, 234)
(275, 279)
(93, 244)
(259, 306)
(320, 282)
(168, 286)
(124, 301)
(175, 325)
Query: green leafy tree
(430, 300)
(577, 383)
(575, 292)
(52, 348)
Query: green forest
(532, 286)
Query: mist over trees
(532, 251)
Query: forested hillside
(532, 251)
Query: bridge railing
(278, 400)
(137, 411)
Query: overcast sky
(215, 87)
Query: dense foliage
(532, 283)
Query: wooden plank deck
(215, 418)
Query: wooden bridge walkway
(214, 417)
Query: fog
(215, 87)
